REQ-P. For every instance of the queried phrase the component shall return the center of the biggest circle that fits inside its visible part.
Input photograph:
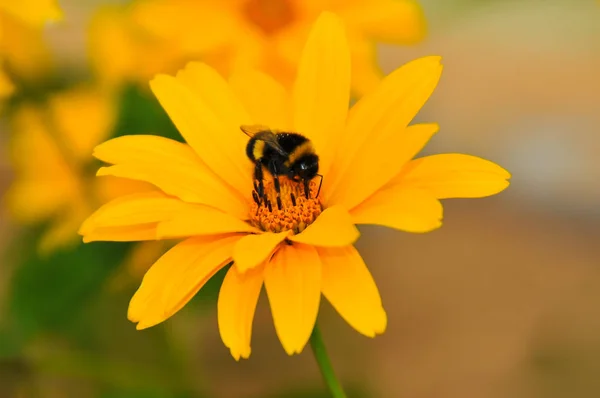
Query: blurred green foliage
(351, 392)
(64, 321)
(562, 369)
(44, 288)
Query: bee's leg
(306, 188)
(259, 186)
(295, 179)
(277, 184)
(278, 190)
(255, 198)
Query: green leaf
(48, 293)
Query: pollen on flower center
(296, 212)
(270, 16)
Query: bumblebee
(282, 154)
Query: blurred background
(503, 301)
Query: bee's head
(305, 167)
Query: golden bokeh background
(504, 299)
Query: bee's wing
(264, 134)
(252, 130)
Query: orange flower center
(292, 212)
(270, 16)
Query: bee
(282, 154)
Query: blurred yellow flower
(50, 149)
(6, 87)
(264, 34)
(21, 43)
(23, 49)
(303, 248)
(120, 51)
(32, 12)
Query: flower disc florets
(296, 212)
(270, 16)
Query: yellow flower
(265, 34)
(50, 155)
(305, 249)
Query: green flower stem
(318, 348)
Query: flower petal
(321, 92)
(235, 309)
(378, 117)
(134, 209)
(130, 233)
(220, 146)
(176, 277)
(209, 86)
(293, 284)
(170, 217)
(406, 209)
(375, 168)
(107, 188)
(201, 220)
(454, 175)
(217, 256)
(252, 250)
(333, 228)
(266, 100)
(171, 166)
(351, 290)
